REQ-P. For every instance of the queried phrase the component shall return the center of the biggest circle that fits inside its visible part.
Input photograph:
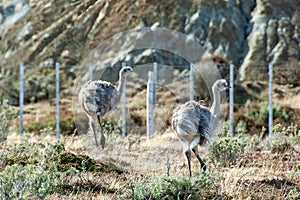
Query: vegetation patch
(284, 138)
(27, 182)
(67, 160)
(175, 187)
(260, 111)
(66, 124)
(225, 151)
(7, 114)
(35, 170)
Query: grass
(7, 114)
(173, 187)
(36, 170)
(247, 166)
(51, 171)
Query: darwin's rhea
(99, 97)
(195, 123)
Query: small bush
(35, 170)
(241, 127)
(283, 138)
(28, 182)
(7, 114)
(66, 124)
(226, 150)
(111, 127)
(298, 166)
(32, 153)
(173, 187)
(260, 111)
(224, 131)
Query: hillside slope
(249, 33)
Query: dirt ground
(138, 153)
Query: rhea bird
(99, 97)
(195, 124)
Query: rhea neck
(216, 101)
(122, 80)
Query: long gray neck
(216, 102)
(122, 81)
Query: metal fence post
(21, 98)
(150, 118)
(270, 99)
(154, 81)
(231, 98)
(57, 100)
(124, 108)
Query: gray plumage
(98, 98)
(194, 123)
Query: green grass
(174, 187)
(36, 170)
(226, 150)
(66, 124)
(7, 114)
(238, 167)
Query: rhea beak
(227, 86)
(129, 70)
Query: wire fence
(151, 98)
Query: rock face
(248, 33)
(275, 38)
(222, 27)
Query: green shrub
(7, 114)
(226, 150)
(298, 166)
(283, 138)
(260, 111)
(32, 153)
(224, 131)
(66, 124)
(28, 182)
(173, 187)
(111, 127)
(34, 170)
(241, 127)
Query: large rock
(221, 27)
(275, 38)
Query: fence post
(21, 98)
(154, 81)
(57, 100)
(150, 119)
(124, 107)
(270, 99)
(231, 99)
(191, 81)
(90, 72)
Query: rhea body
(98, 98)
(194, 123)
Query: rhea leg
(188, 154)
(92, 126)
(194, 147)
(196, 152)
(188, 157)
(102, 137)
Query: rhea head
(125, 71)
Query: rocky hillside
(248, 33)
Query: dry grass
(257, 175)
